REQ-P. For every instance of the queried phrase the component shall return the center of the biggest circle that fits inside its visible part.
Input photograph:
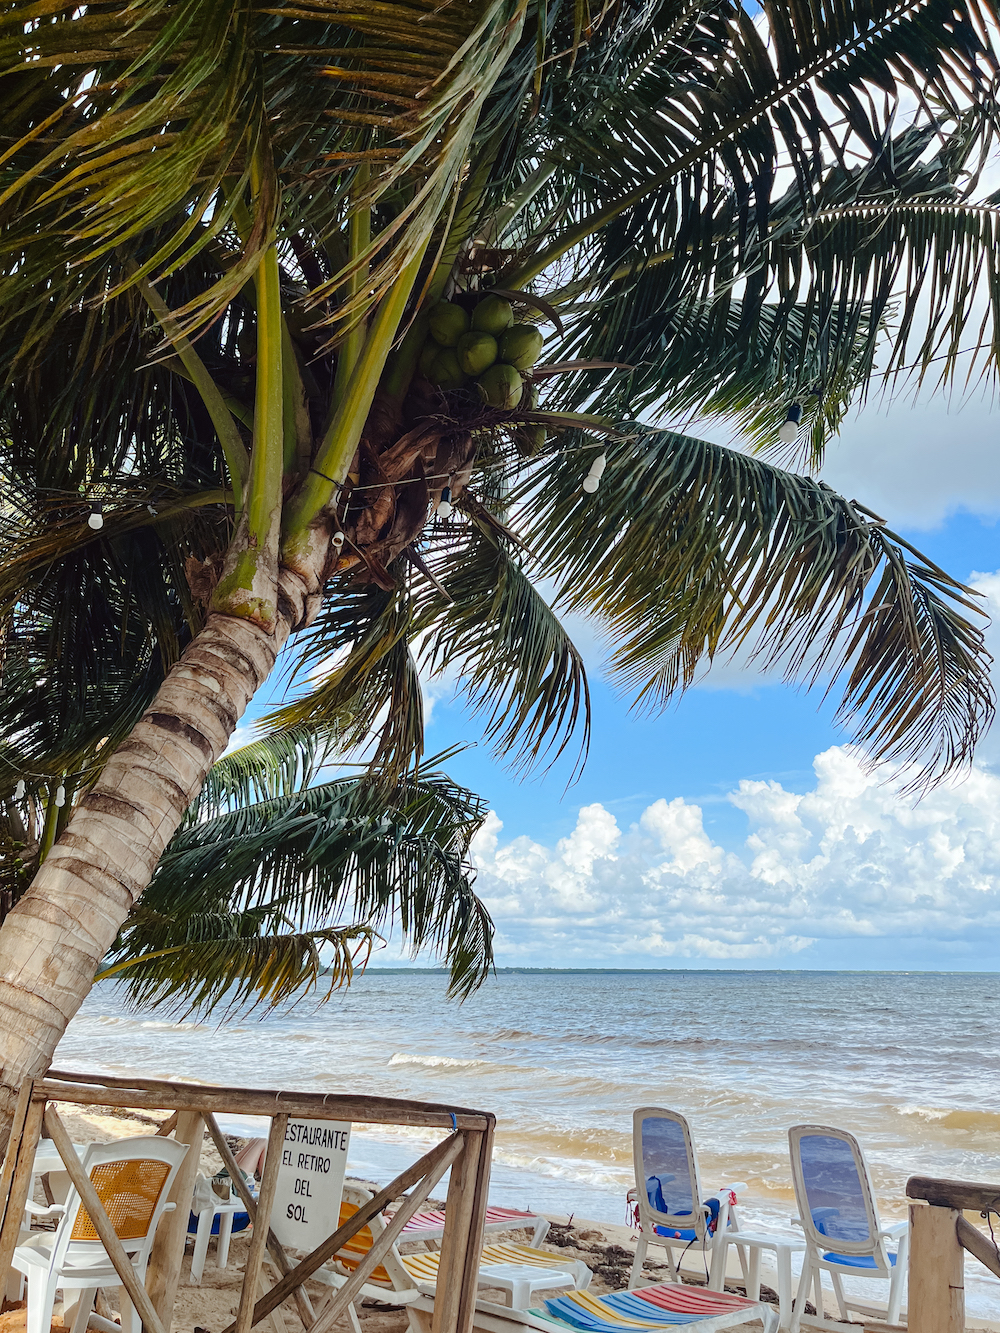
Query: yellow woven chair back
(129, 1191)
(351, 1254)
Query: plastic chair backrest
(833, 1191)
(667, 1183)
(390, 1272)
(132, 1178)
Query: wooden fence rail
(939, 1239)
(467, 1150)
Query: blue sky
(738, 829)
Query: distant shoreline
(702, 971)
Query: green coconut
(447, 323)
(501, 386)
(521, 345)
(492, 315)
(446, 372)
(476, 352)
(529, 440)
(427, 357)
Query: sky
(740, 829)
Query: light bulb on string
(19, 790)
(96, 519)
(338, 540)
(444, 504)
(788, 431)
(593, 478)
(60, 799)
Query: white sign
(310, 1182)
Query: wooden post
(258, 1241)
(427, 1166)
(275, 1248)
(21, 1159)
(102, 1223)
(340, 1300)
(455, 1293)
(167, 1254)
(936, 1297)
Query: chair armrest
(44, 1210)
(169, 1207)
(897, 1229)
(796, 1222)
(736, 1187)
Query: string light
(60, 800)
(788, 431)
(445, 506)
(19, 790)
(338, 540)
(593, 478)
(96, 519)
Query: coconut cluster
(487, 348)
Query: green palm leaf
(690, 550)
(256, 891)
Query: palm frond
(689, 550)
(227, 966)
(506, 648)
(317, 88)
(277, 763)
(363, 675)
(349, 855)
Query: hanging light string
(43, 777)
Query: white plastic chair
(842, 1230)
(669, 1196)
(132, 1178)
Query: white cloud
(847, 861)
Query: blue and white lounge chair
(673, 1211)
(838, 1215)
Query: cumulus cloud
(848, 860)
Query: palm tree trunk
(53, 941)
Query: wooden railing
(466, 1150)
(939, 1239)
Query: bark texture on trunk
(53, 941)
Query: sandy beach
(606, 1248)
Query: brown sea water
(909, 1062)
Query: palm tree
(238, 241)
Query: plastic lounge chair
(646, 1310)
(132, 1178)
(842, 1231)
(407, 1276)
(430, 1226)
(667, 1186)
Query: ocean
(906, 1061)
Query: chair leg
(784, 1258)
(896, 1283)
(41, 1299)
(801, 1296)
(130, 1320)
(225, 1236)
(642, 1245)
(202, 1236)
(838, 1291)
(541, 1231)
(753, 1274)
(818, 1293)
(717, 1268)
(83, 1308)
